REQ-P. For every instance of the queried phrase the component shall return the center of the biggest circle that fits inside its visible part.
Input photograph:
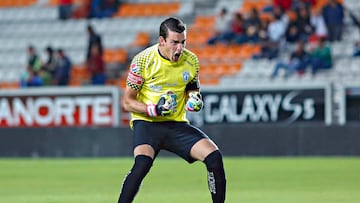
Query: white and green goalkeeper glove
(165, 106)
(195, 102)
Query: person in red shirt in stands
(96, 66)
(284, 4)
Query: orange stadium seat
(115, 55)
(266, 17)
(79, 75)
(17, 3)
(204, 22)
(196, 38)
(247, 51)
(147, 9)
(208, 69)
(248, 5)
(9, 85)
(76, 2)
(142, 39)
(291, 14)
(232, 69)
(209, 79)
(200, 31)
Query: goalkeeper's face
(173, 45)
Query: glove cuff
(151, 110)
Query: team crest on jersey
(186, 76)
(133, 67)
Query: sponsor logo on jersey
(186, 76)
(171, 84)
(156, 88)
(135, 78)
(133, 68)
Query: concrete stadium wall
(234, 140)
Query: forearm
(134, 106)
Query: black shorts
(176, 137)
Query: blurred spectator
(34, 61)
(45, 77)
(277, 27)
(303, 22)
(355, 19)
(263, 31)
(356, 49)
(237, 23)
(298, 61)
(236, 33)
(103, 8)
(269, 50)
(222, 26)
(96, 67)
(292, 33)
(320, 56)
(30, 78)
(33, 80)
(65, 9)
(24, 77)
(94, 39)
(81, 9)
(63, 68)
(50, 64)
(318, 23)
(279, 12)
(296, 4)
(252, 25)
(309, 3)
(333, 13)
(284, 4)
(271, 45)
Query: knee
(214, 160)
(142, 164)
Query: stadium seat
(248, 5)
(209, 80)
(142, 40)
(115, 55)
(75, 2)
(79, 75)
(9, 85)
(147, 9)
(17, 3)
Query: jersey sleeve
(194, 83)
(135, 77)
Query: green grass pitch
(172, 180)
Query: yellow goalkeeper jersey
(153, 76)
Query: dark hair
(224, 10)
(174, 24)
(49, 49)
(31, 47)
(60, 51)
(90, 28)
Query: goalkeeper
(163, 84)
